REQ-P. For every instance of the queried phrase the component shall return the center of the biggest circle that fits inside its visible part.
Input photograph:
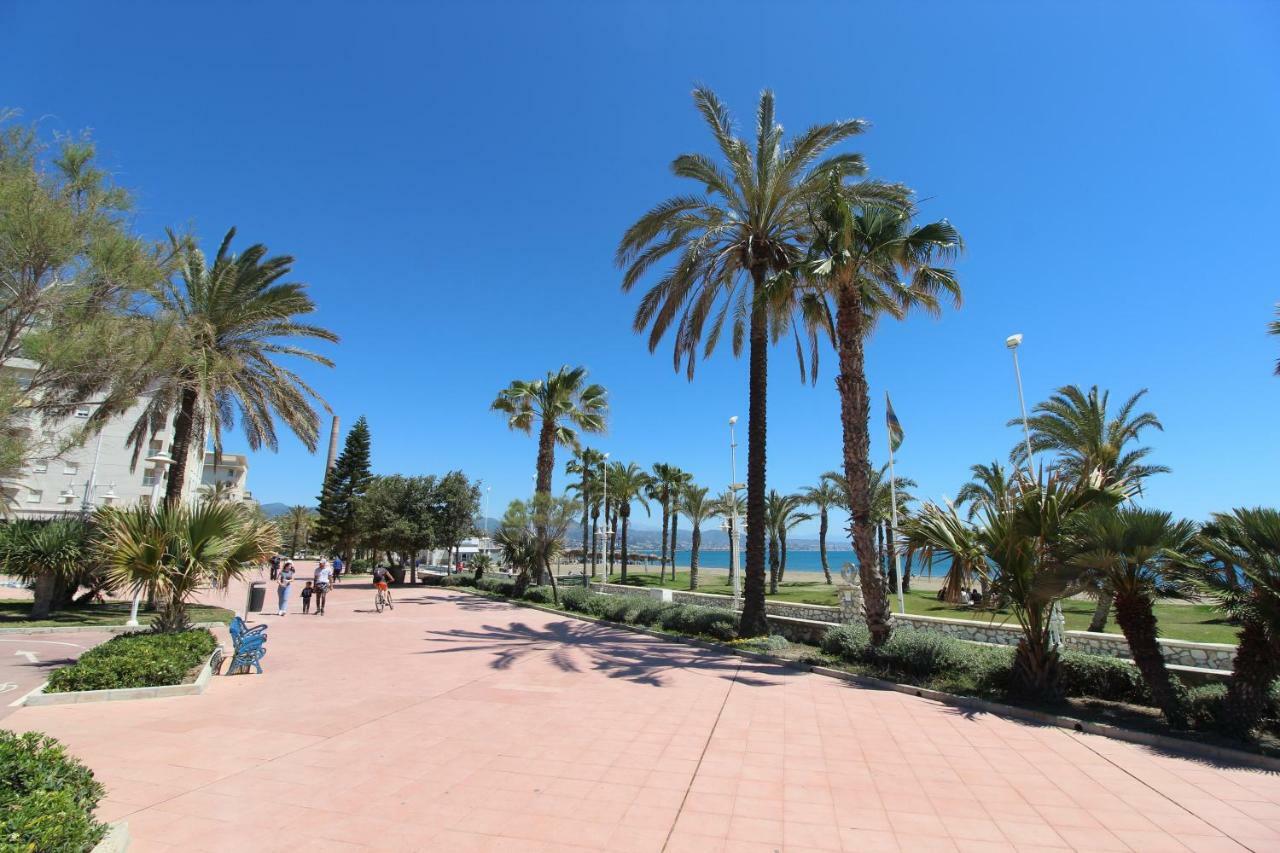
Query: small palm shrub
(47, 798)
(136, 660)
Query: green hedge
(47, 797)
(136, 660)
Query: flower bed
(136, 660)
(47, 798)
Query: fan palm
(870, 261)
(531, 536)
(935, 531)
(627, 484)
(557, 405)
(586, 462)
(696, 507)
(223, 326)
(171, 552)
(727, 241)
(1132, 554)
(990, 486)
(48, 554)
(823, 496)
(1241, 570)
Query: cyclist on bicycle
(382, 577)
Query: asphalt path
(27, 659)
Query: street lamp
(604, 533)
(1012, 342)
(734, 485)
(161, 462)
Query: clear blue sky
(453, 180)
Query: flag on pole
(895, 429)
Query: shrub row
(47, 798)
(136, 660)
(714, 622)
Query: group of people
(326, 576)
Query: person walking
(322, 580)
(283, 582)
(275, 565)
(338, 568)
(307, 592)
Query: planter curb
(116, 840)
(38, 698)
(110, 629)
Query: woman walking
(283, 583)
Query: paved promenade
(454, 723)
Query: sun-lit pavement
(455, 723)
(27, 659)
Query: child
(306, 597)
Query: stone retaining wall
(1218, 656)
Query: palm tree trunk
(782, 549)
(773, 564)
(546, 456)
(45, 588)
(675, 522)
(666, 520)
(1138, 623)
(183, 427)
(822, 545)
(693, 556)
(1099, 621)
(1248, 691)
(626, 521)
(595, 541)
(855, 414)
(754, 622)
(586, 512)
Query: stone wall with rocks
(1178, 652)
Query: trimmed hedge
(47, 798)
(136, 660)
(714, 622)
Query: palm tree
(824, 496)
(681, 481)
(1241, 570)
(219, 491)
(531, 536)
(299, 521)
(664, 488)
(1133, 554)
(627, 484)
(557, 404)
(881, 502)
(870, 261)
(936, 531)
(585, 462)
(49, 554)
(989, 487)
(223, 326)
(783, 516)
(744, 227)
(696, 507)
(730, 505)
(171, 552)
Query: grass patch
(136, 660)
(1198, 623)
(13, 614)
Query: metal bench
(249, 647)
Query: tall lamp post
(1012, 342)
(734, 486)
(604, 532)
(161, 462)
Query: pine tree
(343, 486)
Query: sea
(797, 561)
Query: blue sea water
(798, 561)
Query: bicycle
(382, 599)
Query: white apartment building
(99, 472)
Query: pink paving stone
(454, 723)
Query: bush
(458, 580)
(47, 798)
(539, 594)
(616, 608)
(716, 623)
(678, 617)
(136, 660)
(847, 642)
(1105, 678)
(497, 586)
(1204, 704)
(648, 611)
(922, 653)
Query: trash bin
(257, 596)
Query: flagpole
(893, 520)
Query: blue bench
(250, 647)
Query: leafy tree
(295, 528)
(1134, 555)
(455, 504)
(172, 552)
(49, 554)
(398, 515)
(823, 496)
(869, 259)
(345, 483)
(696, 507)
(1241, 570)
(728, 243)
(627, 484)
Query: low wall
(1219, 656)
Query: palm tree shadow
(609, 651)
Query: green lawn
(13, 614)
(1201, 623)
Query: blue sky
(453, 181)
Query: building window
(149, 477)
(157, 445)
(82, 412)
(34, 496)
(71, 467)
(40, 466)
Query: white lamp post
(1012, 342)
(161, 462)
(604, 533)
(734, 485)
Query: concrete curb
(38, 698)
(107, 629)
(1164, 742)
(116, 840)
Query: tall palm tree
(682, 481)
(627, 485)
(585, 462)
(1242, 572)
(989, 486)
(824, 496)
(729, 505)
(788, 516)
(870, 261)
(560, 405)
(696, 507)
(665, 487)
(224, 326)
(881, 504)
(744, 226)
(298, 521)
(1134, 554)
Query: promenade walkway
(455, 723)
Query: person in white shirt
(322, 578)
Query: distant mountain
(274, 510)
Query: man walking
(275, 566)
(338, 568)
(322, 579)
